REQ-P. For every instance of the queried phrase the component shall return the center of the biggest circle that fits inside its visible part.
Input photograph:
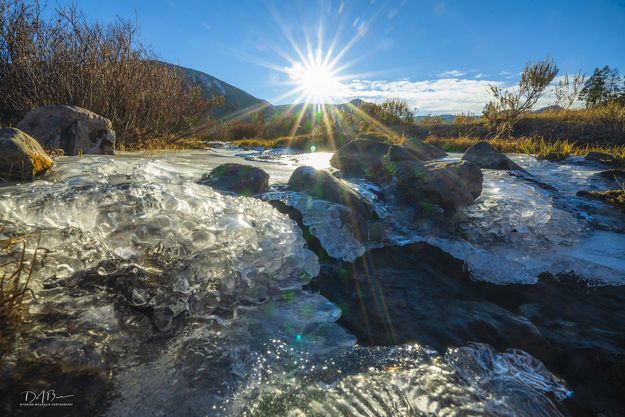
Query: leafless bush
(67, 59)
(567, 90)
(509, 104)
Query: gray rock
(617, 175)
(599, 156)
(73, 129)
(236, 178)
(360, 157)
(368, 157)
(322, 185)
(451, 185)
(21, 156)
(423, 151)
(484, 155)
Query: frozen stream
(222, 277)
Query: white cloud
(447, 95)
(480, 75)
(451, 74)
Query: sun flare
(318, 82)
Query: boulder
(21, 156)
(613, 174)
(599, 156)
(322, 185)
(451, 185)
(73, 129)
(368, 157)
(360, 157)
(423, 151)
(484, 155)
(236, 178)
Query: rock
(322, 185)
(21, 156)
(236, 178)
(484, 155)
(368, 157)
(418, 293)
(451, 185)
(599, 156)
(613, 174)
(73, 129)
(360, 157)
(423, 151)
(615, 198)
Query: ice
(241, 246)
(398, 381)
(323, 219)
(520, 382)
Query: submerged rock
(451, 185)
(418, 293)
(484, 155)
(73, 129)
(21, 156)
(236, 178)
(325, 186)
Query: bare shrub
(509, 104)
(67, 59)
(568, 89)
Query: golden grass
(16, 269)
(538, 147)
(612, 197)
(40, 163)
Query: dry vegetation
(539, 147)
(16, 269)
(67, 59)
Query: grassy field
(539, 147)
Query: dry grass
(539, 147)
(612, 197)
(16, 269)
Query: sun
(316, 81)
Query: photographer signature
(45, 397)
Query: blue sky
(438, 55)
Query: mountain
(553, 108)
(236, 101)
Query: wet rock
(615, 198)
(613, 174)
(236, 178)
(599, 156)
(21, 156)
(423, 151)
(451, 185)
(418, 293)
(360, 157)
(325, 186)
(73, 129)
(484, 155)
(369, 157)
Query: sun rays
(312, 69)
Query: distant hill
(554, 108)
(447, 118)
(236, 101)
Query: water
(194, 300)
